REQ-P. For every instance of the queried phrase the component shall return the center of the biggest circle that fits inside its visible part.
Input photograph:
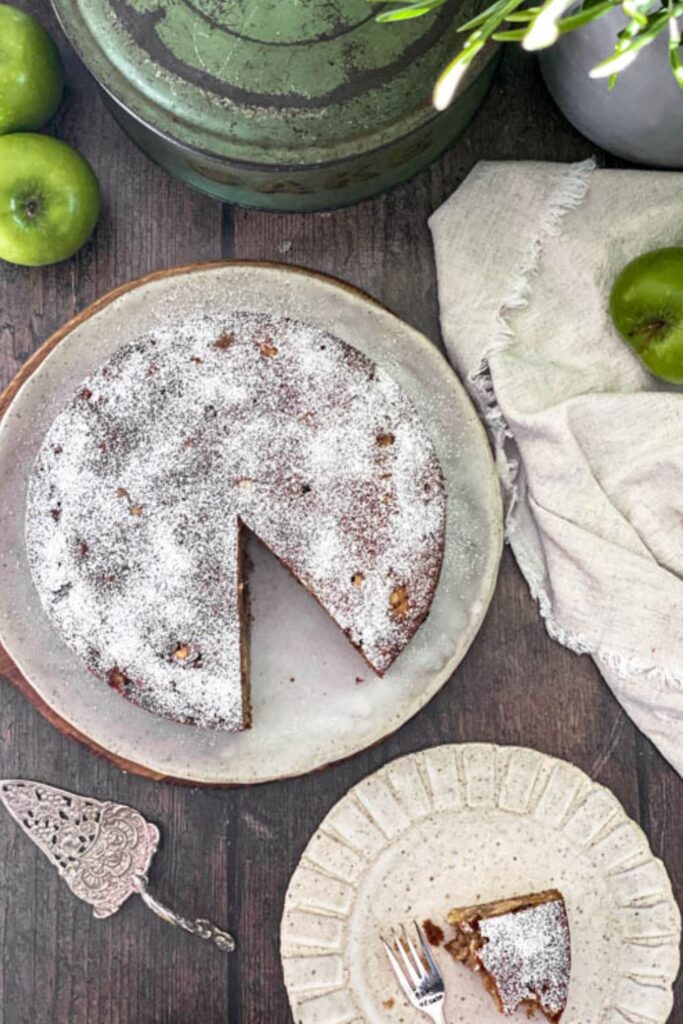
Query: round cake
(148, 482)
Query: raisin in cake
(522, 948)
(149, 480)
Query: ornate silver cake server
(102, 850)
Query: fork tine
(400, 976)
(419, 965)
(409, 969)
(426, 950)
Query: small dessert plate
(461, 825)
(314, 698)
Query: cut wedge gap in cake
(244, 615)
(521, 946)
(380, 663)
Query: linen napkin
(588, 445)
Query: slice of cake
(187, 440)
(522, 948)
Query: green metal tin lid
(285, 82)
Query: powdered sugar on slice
(527, 953)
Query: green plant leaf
(513, 35)
(412, 10)
(449, 79)
(627, 50)
(586, 15)
(675, 49)
(637, 11)
(526, 14)
(543, 30)
(451, 76)
(402, 14)
(485, 15)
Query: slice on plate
(522, 948)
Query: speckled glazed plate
(459, 825)
(308, 708)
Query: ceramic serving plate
(458, 825)
(314, 698)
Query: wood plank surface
(229, 854)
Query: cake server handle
(202, 928)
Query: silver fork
(418, 975)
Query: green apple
(31, 75)
(49, 199)
(646, 304)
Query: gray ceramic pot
(642, 118)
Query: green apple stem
(649, 331)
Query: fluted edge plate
(468, 823)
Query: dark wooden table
(230, 853)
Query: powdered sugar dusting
(527, 952)
(134, 508)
